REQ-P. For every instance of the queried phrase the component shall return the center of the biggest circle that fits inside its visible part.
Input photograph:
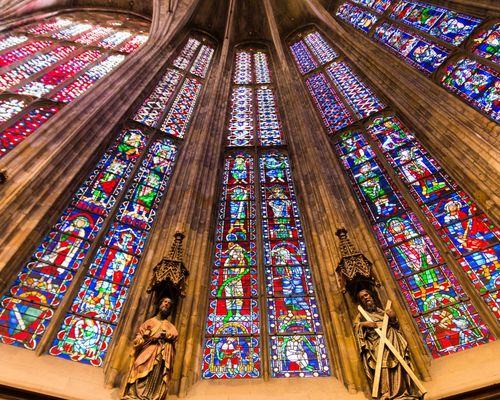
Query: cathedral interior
(269, 152)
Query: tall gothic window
(405, 194)
(45, 65)
(262, 307)
(88, 258)
(457, 51)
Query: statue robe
(150, 373)
(394, 381)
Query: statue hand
(369, 324)
(390, 312)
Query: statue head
(164, 306)
(366, 299)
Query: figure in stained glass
(237, 266)
(415, 170)
(295, 350)
(239, 169)
(370, 184)
(279, 203)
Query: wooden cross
(386, 342)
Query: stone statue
(154, 355)
(395, 381)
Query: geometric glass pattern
(339, 94)
(172, 116)
(253, 107)
(476, 84)
(15, 133)
(457, 219)
(102, 233)
(439, 22)
(445, 317)
(357, 17)
(414, 49)
(26, 63)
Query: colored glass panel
(241, 120)
(25, 126)
(182, 109)
(187, 53)
(88, 79)
(33, 66)
(269, 129)
(71, 31)
(97, 33)
(58, 75)
(114, 40)
(292, 309)
(82, 339)
(487, 44)
(9, 107)
(232, 343)
(262, 71)
(415, 50)
(243, 68)
(376, 5)
(202, 61)
(19, 53)
(427, 284)
(333, 112)
(134, 43)
(7, 41)
(320, 47)
(52, 25)
(155, 104)
(355, 16)
(360, 97)
(303, 57)
(439, 22)
(476, 84)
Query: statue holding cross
(384, 352)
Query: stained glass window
(469, 79)
(294, 336)
(342, 99)
(7, 41)
(357, 17)
(48, 60)
(254, 112)
(475, 83)
(460, 223)
(447, 319)
(487, 44)
(427, 283)
(376, 5)
(194, 57)
(10, 106)
(414, 49)
(439, 22)
(101, 235)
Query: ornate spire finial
(354, 269)
(176, 251)
(346, 247)
(170, 275)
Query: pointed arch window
(58, 61)
(402, 207)
(243, 333)
(88, 258)
(428, 37)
